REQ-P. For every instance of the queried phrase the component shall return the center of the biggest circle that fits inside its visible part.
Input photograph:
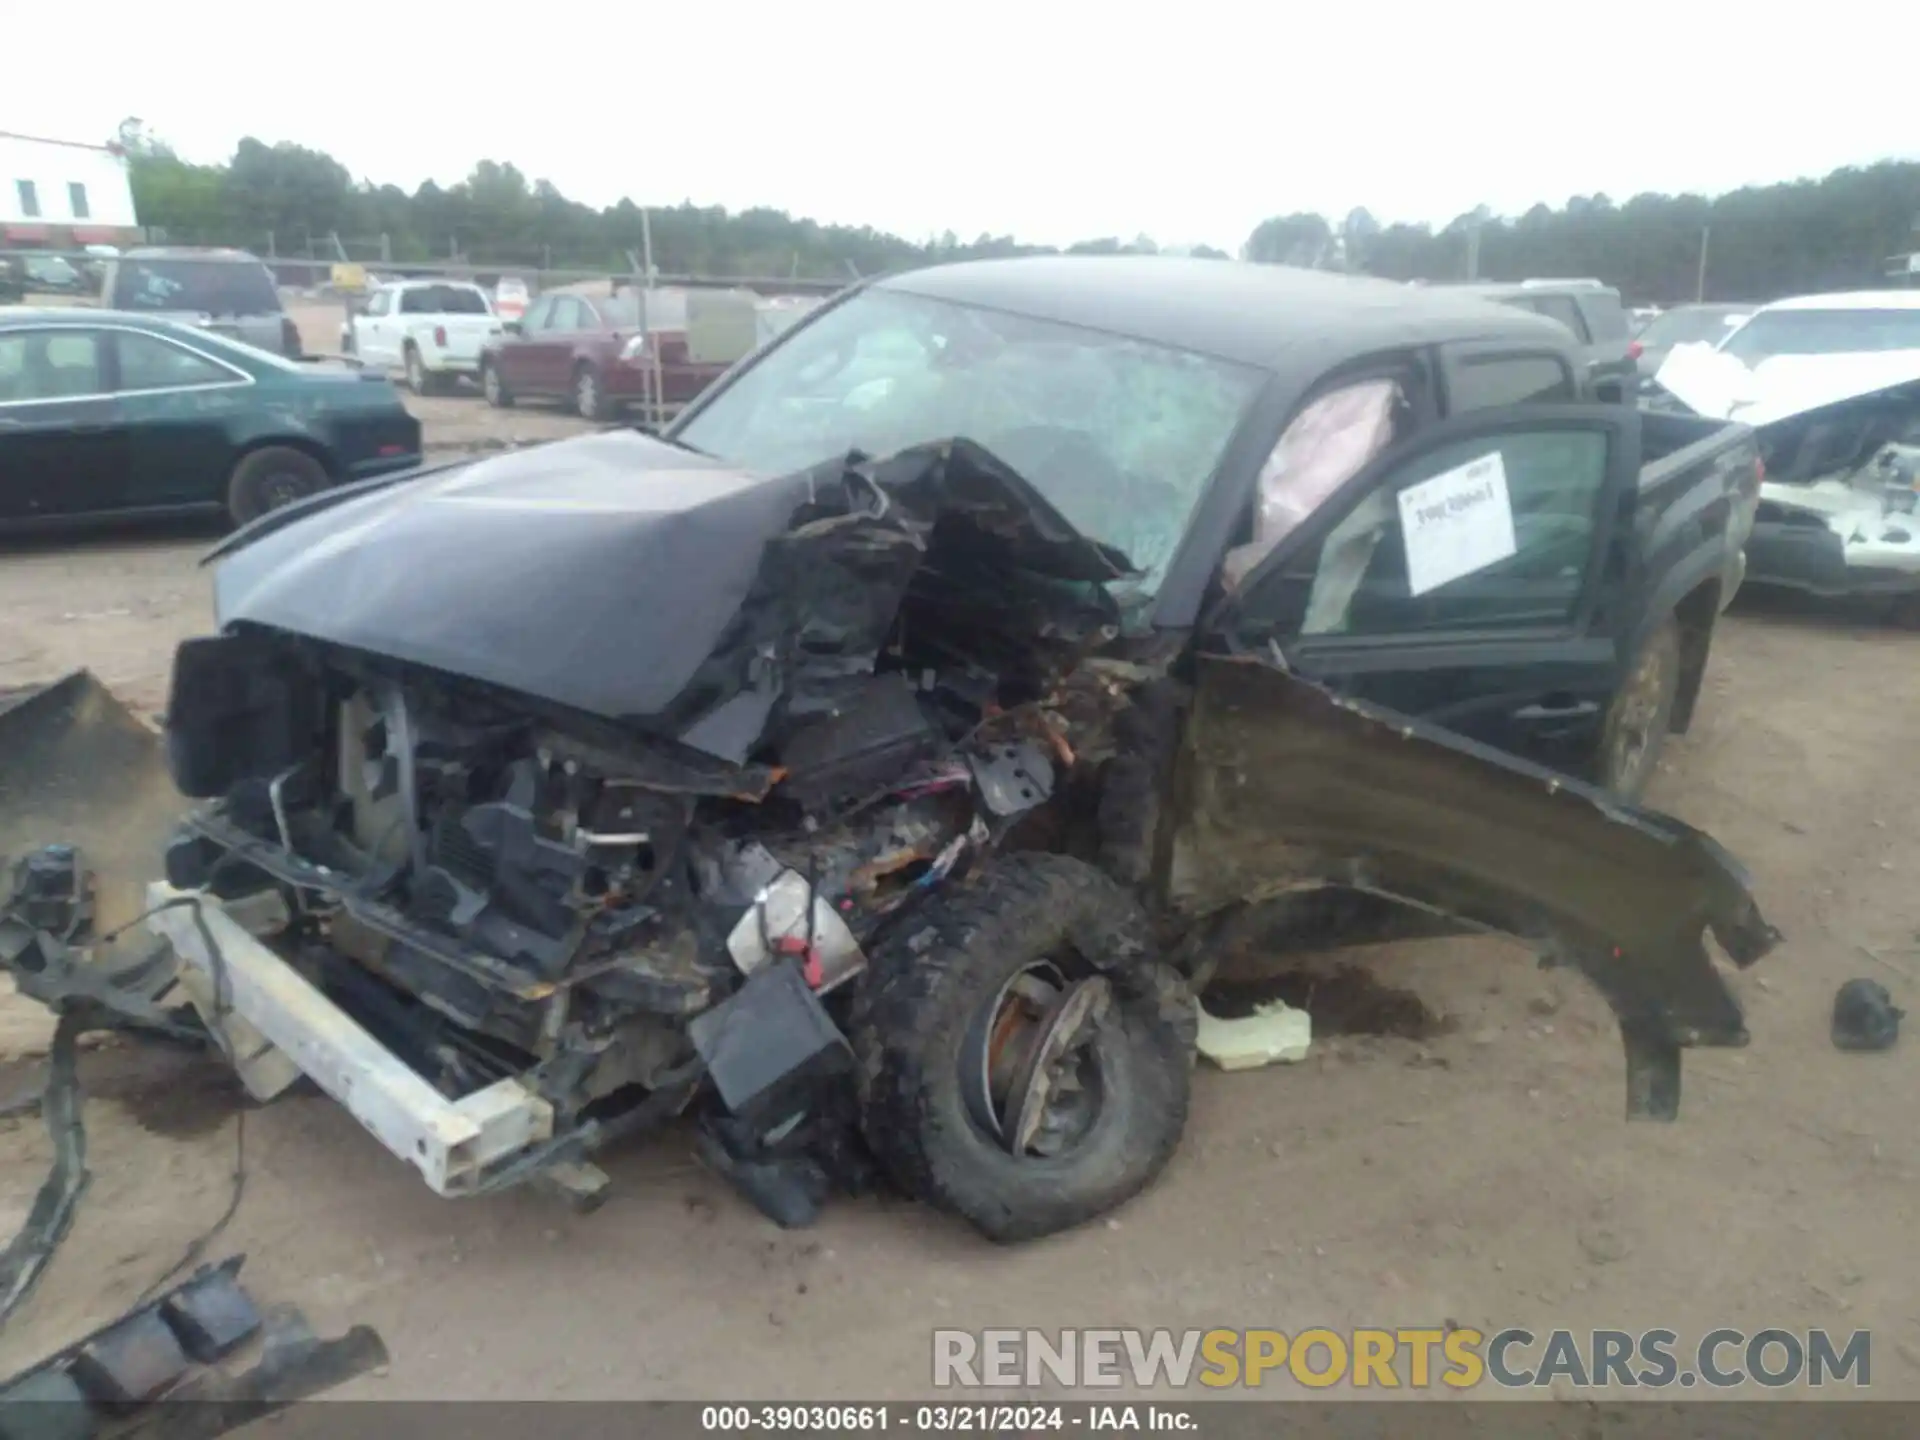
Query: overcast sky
(1053, 120)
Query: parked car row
(598, 349)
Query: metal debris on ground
(1865, 1017)
(25, 1258)
(48, 946)
(171, 1348)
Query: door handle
(1569, 710)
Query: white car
(1831, 383)
(1801, 354)
(430, 330)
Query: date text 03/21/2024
(982, 1419)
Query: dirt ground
(1479, 1173)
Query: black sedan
(106, 415)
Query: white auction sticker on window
(1456, 523)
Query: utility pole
(658, 405)
(1700, 278)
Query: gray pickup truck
(868, 765)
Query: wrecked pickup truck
(1831, 386)
(863, 767)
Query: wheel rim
(589, 395)
(1029, 1074)
(1639, 716)
(490, 382)
(281, 488)
(416, 372)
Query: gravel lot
(1480, 1174)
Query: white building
(61, 192)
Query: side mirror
(513, 327)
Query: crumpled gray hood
(563, 570)
(625, 577)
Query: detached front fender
(1282, 786)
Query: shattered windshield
(1823, 332)
(1119, 434)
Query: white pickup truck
(431, 330)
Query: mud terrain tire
(925, 988)
(1642, 713)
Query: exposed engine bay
(540, 889)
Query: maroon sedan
(591, 351)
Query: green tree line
(1758, 242)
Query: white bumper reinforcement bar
(452, 1143)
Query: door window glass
(539, 315)
(1486, 532)
(149, 363)
(199, 285)
(1606, 317)
(49, 365)
(1562, 309)
(1491, 382)
(443, 300)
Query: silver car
(228, 292)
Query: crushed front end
(505, 925)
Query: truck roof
(417, 282)
(1260, 315)
(191, 252)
